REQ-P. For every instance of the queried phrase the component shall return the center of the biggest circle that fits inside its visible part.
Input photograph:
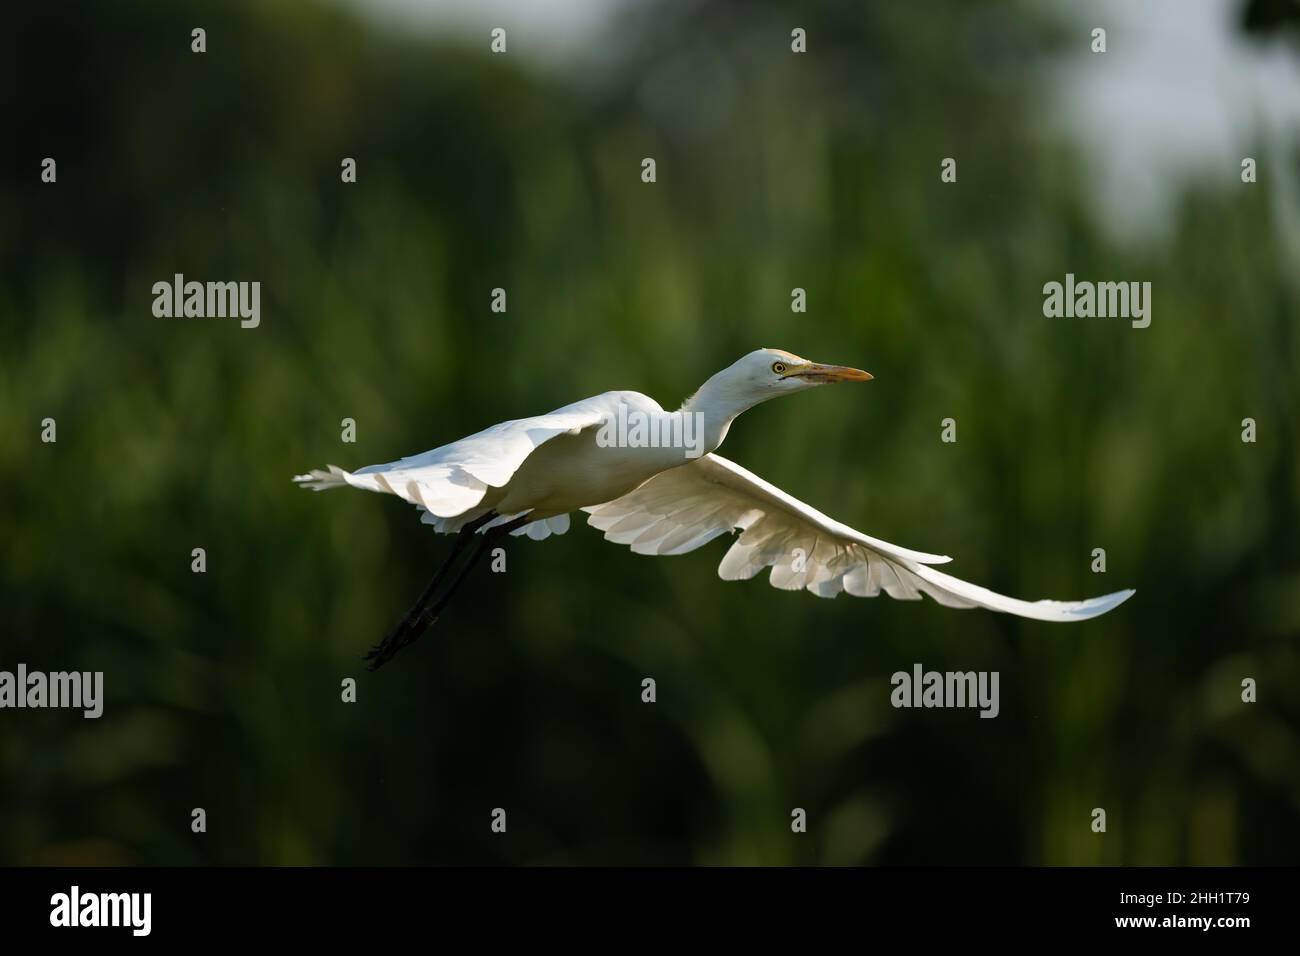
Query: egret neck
(717, 403)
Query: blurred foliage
(774, 171)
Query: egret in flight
(648, 478)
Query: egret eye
(778, 367)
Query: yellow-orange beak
(830, 373)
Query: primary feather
(685, 508)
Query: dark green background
(774, 171)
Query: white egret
(648, 478)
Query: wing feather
(684, 508)
(449, 481)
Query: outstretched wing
(683, 508)
(450, 480)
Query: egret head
(769, 373)
(772, 372)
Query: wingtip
(1104, 604)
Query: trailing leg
(409, 627)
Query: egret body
(660, 497)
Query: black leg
(423, 614)
(401, 633)
(490, 538)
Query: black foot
(403, 635)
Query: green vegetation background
(774, 171)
